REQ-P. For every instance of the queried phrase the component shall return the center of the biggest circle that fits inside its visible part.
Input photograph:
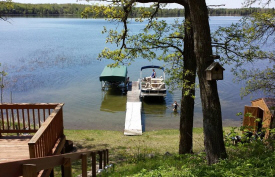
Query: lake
(54, 60)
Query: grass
(129, 149)
(147, 155)
(121, 146)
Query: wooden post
(29, 170)
(31, 150)
(105, 158)
(100, 159)
(52, 173)
(107, 151)
(93, 164)
(67, 166)
(84, 165)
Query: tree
(7, 5)
(212, 119)
(197, 55)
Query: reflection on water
(154, 106)
(113, 100)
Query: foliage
(6, 5)
(157, 40)
(247, 42)
(42, 9)
(250, 42)
(253, 159)
(237, 12)
(245, 159)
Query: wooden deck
(17, 121)
(133, 112)
(14, 148)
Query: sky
(227, 3)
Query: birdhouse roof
(213, 65)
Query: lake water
(53, 60)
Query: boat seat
(148, 85)
(162, 86)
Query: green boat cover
(118, 73)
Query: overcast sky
(228, 3)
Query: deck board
(14, 148)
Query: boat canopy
(115, 74)
(152, 66)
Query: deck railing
(48, 135)
(45, 120)
(24, 118)
(30, 168)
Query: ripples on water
(54, 60)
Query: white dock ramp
(133, 112)
(133, 119)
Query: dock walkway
(133, 111)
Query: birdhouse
(214, 72)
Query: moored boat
(152, 85)
(116, 76)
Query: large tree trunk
(187, 102)
(212, 119)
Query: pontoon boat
(150, 86)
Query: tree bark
(212, 119)
(187, 102)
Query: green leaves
(247, 42)
(157, 40)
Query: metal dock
(133, 111)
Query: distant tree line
(238, 12)
(77, 9)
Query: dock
(133, 111)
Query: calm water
(54, 60)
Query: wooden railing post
(31, 167)
(29, 170)
(100, 159)
(52, 173)
(93, 164)
(84, 165)
(67, 166)
(105, 158)
(32, 150)
(107, 151)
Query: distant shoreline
(45, 10)
(79, 16)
